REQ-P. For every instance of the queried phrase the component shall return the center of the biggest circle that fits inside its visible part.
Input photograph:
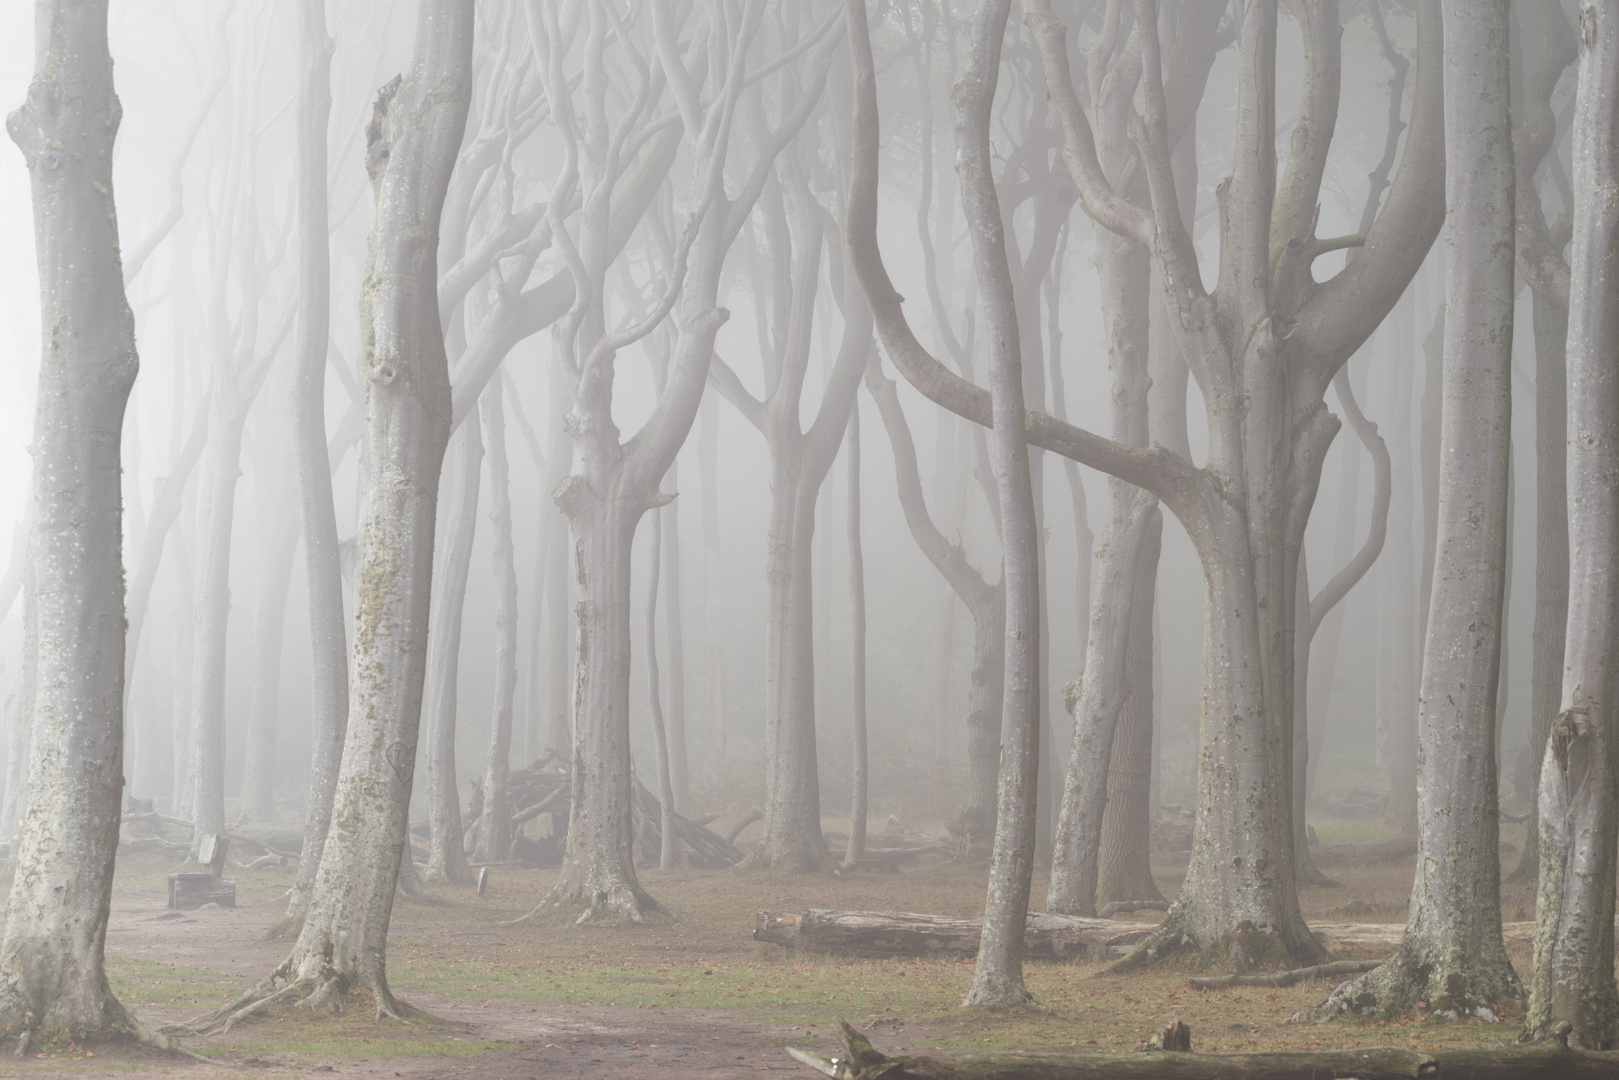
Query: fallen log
(1285, 978)
(1552, 1059)
(1119, 907)
(1047, 936)
(736, 830)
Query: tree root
(624, 900)
(1450, 986)
(1286, 978)
(1245, 949)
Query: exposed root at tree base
(119, 1027)
(1452, 987)
(1247, 948)
(624, 901)
(326, 989)
(997, 994)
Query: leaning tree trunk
(998, 977)
(56, 916)
(858, 799)
(1452, 954)
(1579, 806)
(447, 858)
(412, 141)
(494, 825)
(258, 759)
(1124, 866)
(328, 636)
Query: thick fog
(204, 175)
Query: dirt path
(551, 1040)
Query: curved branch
(1355, 569)
(1158, 470)
(1341, 313)
(723, 377)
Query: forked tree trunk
(412, 142)
(258, 760)
(859, 796)
(494, 825)
(447, 858)
(1452, 955)
(56, 916)
(1579, 803)
(1124, 870)
(998, 976)
(328, 635)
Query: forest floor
(690, 997)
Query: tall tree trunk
(1125, 861)
(328, 635)
(559, 616)
(1551, 554)
(713, 575)
(494, 825)
(213, 606)
(668, 853)
(1452, 954)
(21, 707)
(1398, 661)
(859, 796)
(1579, 806)
(674, 631)
(258, 760)
(56, 916)
(998, 977)
(412, 141)
(452, 562)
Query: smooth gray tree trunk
(328, 635)
(998, 976)
(452, 563)
(1579, 804)
(859, 799)
(1452, 955)
(494, 825)
(56, 914)
(412, 142)
(270, 620)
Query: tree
(984, 601)
(1579, 806)
(1246, 510)
(1452, 954)
(800, 459)
(494, 824)
(859, 796)
(56, 916)
(328, 638)
(415, 131)
(998, 977)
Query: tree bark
(998, 977)
(1125, 863)
(1452, 954)
(412, 142)
(56, 915)
(674, 632)
(858, 800)
(452, 563)
(494, 825)
(1579, 804)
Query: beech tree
(1240, 896)
(1579, 806)
(412, 140)
(55, 981)
(1452, 954)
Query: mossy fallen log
(1549, 1060)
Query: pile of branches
(546, 789)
